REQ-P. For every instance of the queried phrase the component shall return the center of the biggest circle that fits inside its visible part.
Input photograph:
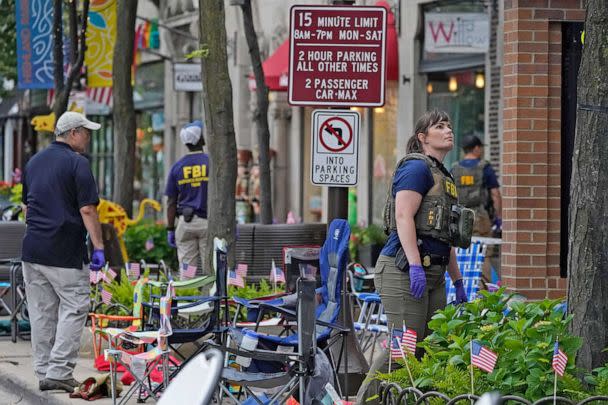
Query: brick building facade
(532, 144)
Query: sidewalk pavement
(19, 385)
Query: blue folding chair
(470, 262)
(333, 261)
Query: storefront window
(461, 95)
(384, 154)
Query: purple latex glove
(461, 296)
(497, 224)
(171, 239)
(98, 260)
(417, 280)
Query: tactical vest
(439, 216)
(472, 193)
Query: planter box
(368, 255)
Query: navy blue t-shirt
(57, 182)
(187, 182)
(489, 176)
(414, 175)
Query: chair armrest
(113, 317)
(257, 354)
(332, 326)
(277, 308)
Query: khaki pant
(401, 307)
(191, 241)
(57, 303)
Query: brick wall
(531, 144)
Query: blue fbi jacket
(187, 182)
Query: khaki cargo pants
(401, 307)
(191, 241)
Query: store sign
(337, 56)
(335, 148)
(456, 32)
(187, 77)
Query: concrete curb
(29, 395)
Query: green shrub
(523, 339)
(135, 240)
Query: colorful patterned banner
(101, 36)
(34, 44)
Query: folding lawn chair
(141, 365)
(283, 371)
(16, 308)
(333, 261)
(101, 322)
(470, 262)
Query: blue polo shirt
(416, 176)
(187, 182)
(57, 182)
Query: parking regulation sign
(337, 55)
(335, 148)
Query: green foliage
(16, 192)
(523, 339)
(135, 240)
(202, 52)
(253, 291)
(8, 43)
(371, 235)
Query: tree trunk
(123, 116)
(76, 54)
(260, 115)
(217, 104)
(588, 239)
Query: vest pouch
(187, 213)
(465, 217)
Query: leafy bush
(135, 240)
(522, 334)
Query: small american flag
(403, 342)
(235, 280)
(149, 244)
(111, 274)
(94, 277)
(308, 271)
(560, 360)
(187, 271)
(106, 296)
(483, 358)
(276, 274)
(241, 270)
(133, 270)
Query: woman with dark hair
(409, 274)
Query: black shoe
(48, 384)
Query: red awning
(276, 67)
(392, 43)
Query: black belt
(430, 259)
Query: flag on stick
(560, 360)
(482, 357)
(106, 296)
(235, 280)
(110, 274)
(403, 342)
(187, 271)
(276, 274)
(94, 277)
(133, 270)
(241, 270)
(149, 244)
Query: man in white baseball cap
(60, 200)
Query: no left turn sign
(335, 148)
